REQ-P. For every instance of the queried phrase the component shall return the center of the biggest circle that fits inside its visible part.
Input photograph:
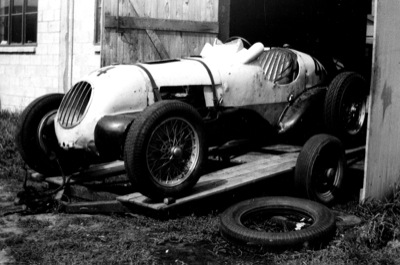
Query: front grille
(73, 106)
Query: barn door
(147, 30)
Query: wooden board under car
(222, 181)
(249, 168)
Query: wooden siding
(147, 30)
(383, 143)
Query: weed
(33, 225)
(11, 164)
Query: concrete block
(48, 15)
(54, 26)
(42, 48)
(25, 59)
(42, 27)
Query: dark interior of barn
(325, 29)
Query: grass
(188, 239)
(11, 164)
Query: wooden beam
(224, 11)
(383, 142)
(125, 23)
(96, 207)
(222, 181)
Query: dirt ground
(60, 238)
(61, 233)
(81, 238)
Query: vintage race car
(162, 117)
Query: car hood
(181, 72)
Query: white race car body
(227, 74)
(164, 119)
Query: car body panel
(127, 85)
(229, 76)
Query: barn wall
(383, 148)
(125, 44)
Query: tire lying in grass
(319, 171)
(277, 223)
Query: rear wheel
(345, 108)
(165, 149)
(35, 137)
(319, 169)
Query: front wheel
(165, 149)
(320, 168)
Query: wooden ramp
(222, 181)
(243, 170)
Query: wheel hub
(355, 116)
(330, 173)
(45, 132)
(176, 152)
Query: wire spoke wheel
(172, 151)
(165, 149)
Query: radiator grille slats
(74, 105)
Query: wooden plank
(152, 35)
(383, 145)
(282, 148)
(95, 172)
(161, 24)
(84, 193)
(173, 40)
(163, 41)
(96, 207)
(224, 19)
(144, 46)
(249, 157)
(114, 35)
(105, 35)
(223, 181)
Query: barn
(46, 46)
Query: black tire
(173, 166)
(33, 147)
(320, 169)
(345, 108)
(239, 224)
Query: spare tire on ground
(278, 223)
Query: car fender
(296, 110)
(110, 133)
(119, 89)
(112, 90)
